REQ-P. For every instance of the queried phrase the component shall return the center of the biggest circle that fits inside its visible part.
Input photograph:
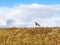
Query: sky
(16, 2)
(23, 13)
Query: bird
(37, 24)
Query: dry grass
(30, 36)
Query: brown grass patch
(30, 36)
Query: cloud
(26, 14)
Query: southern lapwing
(37, 24)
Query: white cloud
(27, 14)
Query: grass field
(30, 36)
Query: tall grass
(30, 36)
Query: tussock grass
(30, 36)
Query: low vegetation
(30, 36)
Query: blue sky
(22, 13)
(14, 2)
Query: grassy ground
(30, 36)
